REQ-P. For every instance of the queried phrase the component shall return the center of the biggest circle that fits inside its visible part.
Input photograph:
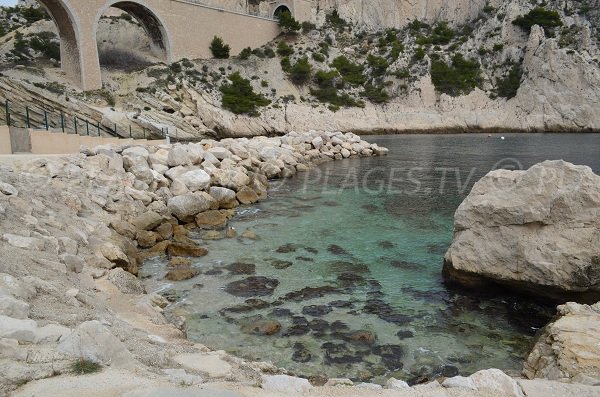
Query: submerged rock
(535, 231)
(316, 310)
(385, 312)
(287, 248)
(391, 356)
(337, 250)
(252, 286)
(258, 325)
(241, 268)
(301, 353)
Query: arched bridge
(178, 28)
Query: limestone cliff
(557, 74)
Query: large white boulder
(195, 180)
(537, 231)
(187, 206)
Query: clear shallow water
(368, 236)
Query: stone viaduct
(178, 28)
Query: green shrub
(402, 73)
(283, 49)
(378, 65)
(416, 26)
(350, 71)
(83, 367)
(307, 27)
(397, 48)
(442, 34)
(219, 49)
(269, 53)
(548, 19)
(335, 20)
(175, 67)
(33, 14)
(498, 47)
(286, 65)
(419, 54)
(330, 95)
(488, 9)
(186, 62)
(317, 56)
(245, 53)
(287, 23)
(300, 72)
(458, 78)
(375, 93)
(239, 97)
(325, 79)
(264, 83)
(507, 86)
(45, 42)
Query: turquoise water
(368, 236)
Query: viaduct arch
(178, 29)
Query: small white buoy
(502, 137)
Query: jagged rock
(73, 263)
(247, 195)
(225, 197)
(393, 383)
(93, 341)
(187, 206)
(12, 307)
(183, 249)
(230, 178)
(22, 330)
(211, 219)
(115, 255)
(286, 384)
(178, 156)
(497, 381)
(568, 349)
(195, 180)
(8, 189)
(126, 282)
(30, 243)
(537, 231)
(459, 382)
(145, 221)
(220, 153)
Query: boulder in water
(534, 231)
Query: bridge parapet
(181, 28)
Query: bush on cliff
(351, 72)
(300, 72)
(459, 77)
(219, 49)
(283, 49)
(287, 23)
(547, 19)
(507, 86)
(239, 96)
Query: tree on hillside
(219, 49)
(287, 23)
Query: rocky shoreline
(77, 228)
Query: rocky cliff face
(535, 231)
(558, 78)
(397, 13)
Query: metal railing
(26, 116)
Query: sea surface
(344, 277)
